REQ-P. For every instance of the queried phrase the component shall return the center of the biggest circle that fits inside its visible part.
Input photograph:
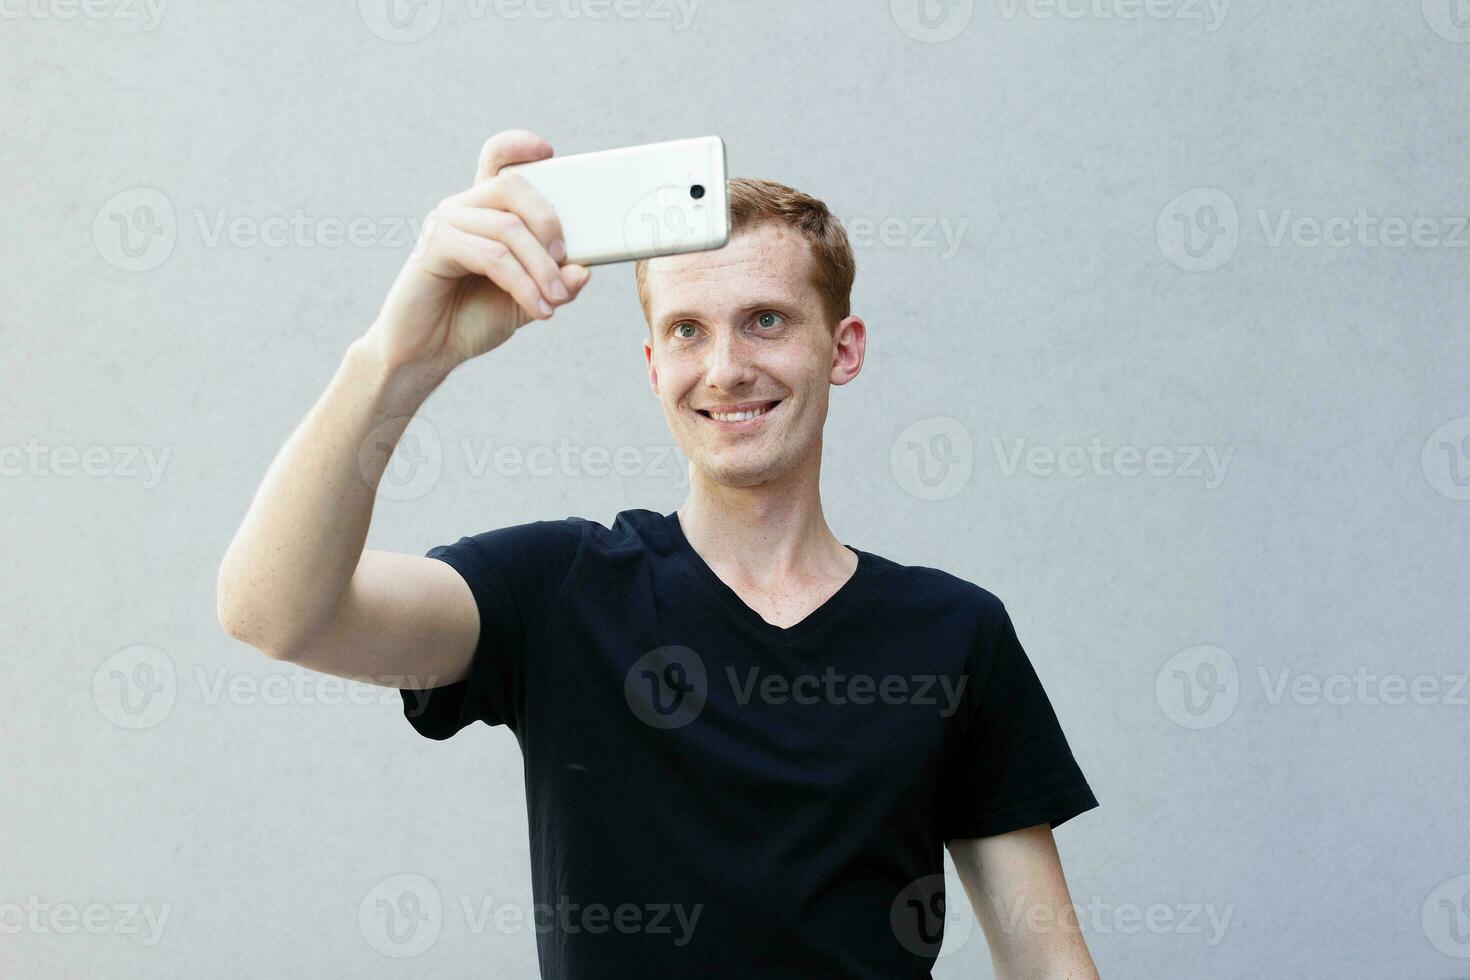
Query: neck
(766, 534)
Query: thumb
(574, 277)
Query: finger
(507, 227)
(494, 260)
(574, 277)
(510, 146)
(512, 192)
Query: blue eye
(685, 324)
(763, 317)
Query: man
(745, 742)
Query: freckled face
(741, 327)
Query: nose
(728, 361)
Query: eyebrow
(780, 303)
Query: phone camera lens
(697, 191)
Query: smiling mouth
(735, 418)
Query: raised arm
(296, 582)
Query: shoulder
(571, 540)
(534, 551)
(554, 535)
(938, 589)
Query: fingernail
(558, 291)
(544, 307)
(558, 250)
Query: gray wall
(1076, 228)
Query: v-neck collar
(731, 599)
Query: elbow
(242, 624)
(240, 627)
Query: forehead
(768, 262)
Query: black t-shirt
(709, 795)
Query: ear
(652, 370)
(850, 343)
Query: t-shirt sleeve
(1012, 767)
(516, 575)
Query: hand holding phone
(637, 202)
(516, 245)
(488, 260)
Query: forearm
(1078, 967)
(1019, 893)
(293, 557)
(1045, 943)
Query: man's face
(742, 327)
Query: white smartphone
(636, 202)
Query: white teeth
(738, 416)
